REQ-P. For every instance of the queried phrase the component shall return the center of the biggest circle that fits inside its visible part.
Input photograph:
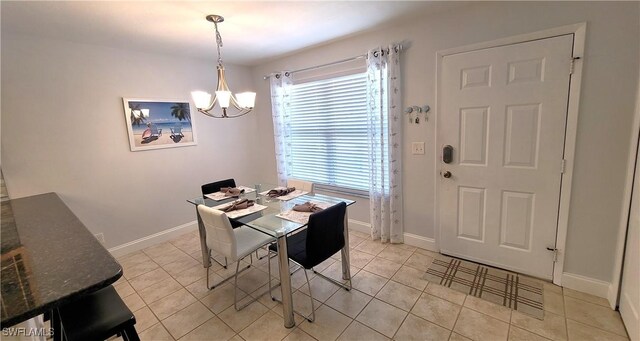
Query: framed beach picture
(154, 124)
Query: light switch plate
(417, 148)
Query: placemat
(217, 196)
(301, 217)
(243, 212)
(294, 194)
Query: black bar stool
(97, 316)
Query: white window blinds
(328, 133)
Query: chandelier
(205, 102)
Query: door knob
(446, 174)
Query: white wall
(64, 131)
(606, 107)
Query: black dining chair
(96, 316)
(323, 237)
(215, 186)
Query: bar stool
(97, 316)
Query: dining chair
(234, 244)
(215, 186)
(95, 316)
(323, 237)
(301, 184)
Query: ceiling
(253, 31)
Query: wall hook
(417, 110)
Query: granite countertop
(48, 258)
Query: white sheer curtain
(385, 136)
(280, 89)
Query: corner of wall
(409, 238)
(589, 285)
(612, 296)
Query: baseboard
(360, 226)
(153, 239)
(420, 241)
(409, 238)
(587, 285)
(157, 238)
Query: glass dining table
(268, 222)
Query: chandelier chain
(218, 43)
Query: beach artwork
(154, 124)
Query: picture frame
(158, 123)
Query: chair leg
(266, 249)
(313, 309)
(235, 287)
(346, 287)
(273, 298)
(130, 334)
(211, 287)
(269, 272)
(217, 261)
(271, 287)
(235, 291)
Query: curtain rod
(398, 46)
(325, 65)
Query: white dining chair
(301, 184)
(234, 244)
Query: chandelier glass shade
(230, 105)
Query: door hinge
(555, 253)
(563, 166)
(572, 64)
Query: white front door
(504, 113)
(630, 292)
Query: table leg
(346, 268)
(285, 283)
(206, 262)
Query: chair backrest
(220, 235)
(215, 186)
(176, 130)
(154, 129)
(301, 184)
(325, 233)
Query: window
(328, 138)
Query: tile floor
(164, 286)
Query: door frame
(579, 33)
(616, 285)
